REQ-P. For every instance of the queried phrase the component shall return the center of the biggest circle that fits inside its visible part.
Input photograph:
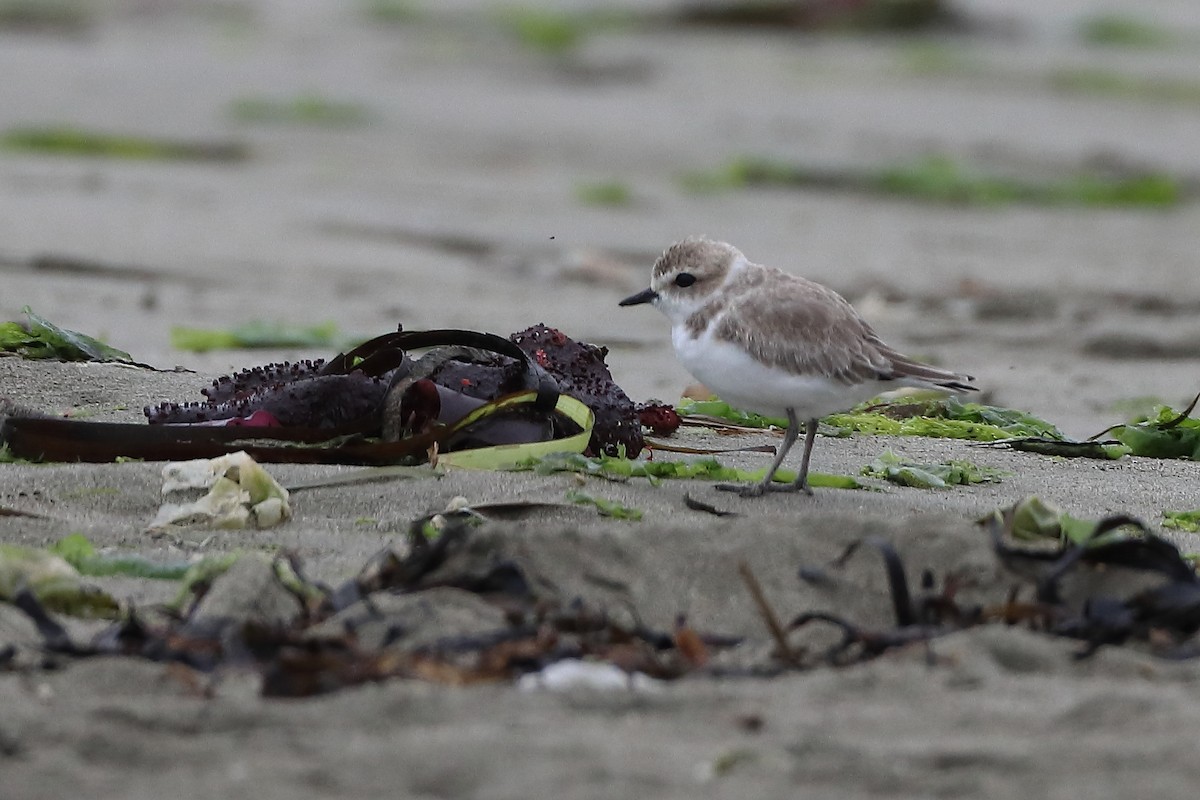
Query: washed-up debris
(941, 417)
(40, 338)
(941, 179)
(51, 581)
(621, 469)
(1103, 582)
(470, 603)
(304, 639)
(80, 553)
(254, 335)
(955, 472)
(1182, 520)
(236, 493)
(78, 142)
(605, 507)
(572, 674)
(1032, 519)
(1163, 433)
(475, 400)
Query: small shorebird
(771, 342)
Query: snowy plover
(775, 343)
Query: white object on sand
(238, 493)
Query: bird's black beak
(644, 296)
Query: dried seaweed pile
(473, 604)
(390, 621)
(1120, 584)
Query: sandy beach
(474, 178)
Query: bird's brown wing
(805, 329)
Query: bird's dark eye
(684, 279)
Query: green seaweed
(1182, 520)
(199, 576)
(620, 469)
(81, 554)
(1109, 451)
(942, 418)
(722, 410)
(606, 508)
(64, 16)
(1034, 519)
(304, 109)
(53, 581)
(40, 338)
(943, 475)
(940, 179)
(392, 12)
(1164, 433)
(1117, 30)
(613, 194)
(253, 335)
(1108, 83)
(64, 140)
(558, 33)
(551, 32)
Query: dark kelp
(377, 405)
(308, 657)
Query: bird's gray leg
(765, 485)
(810, 436)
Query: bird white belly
(740, 380)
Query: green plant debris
(62, 16)
(940, 179)
(895, 469)
(1105, 82)
(559, 33)
(943, 418)
(1110, 451)
(392, 12)
(936, 58)
(255, 335)
(613, 194)
(620, 469)
(81, 554)
(305, 109)
(722, 410)
(40, 338)
(69, 141)
(1165, 433)
(545, 30)
(1034, 519)
(1182, 520)
(606, 508)
(199, 576)
(53, 581)
(1115, 30)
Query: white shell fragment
(573, 674)
(232, 491)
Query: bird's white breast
(748, 384)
